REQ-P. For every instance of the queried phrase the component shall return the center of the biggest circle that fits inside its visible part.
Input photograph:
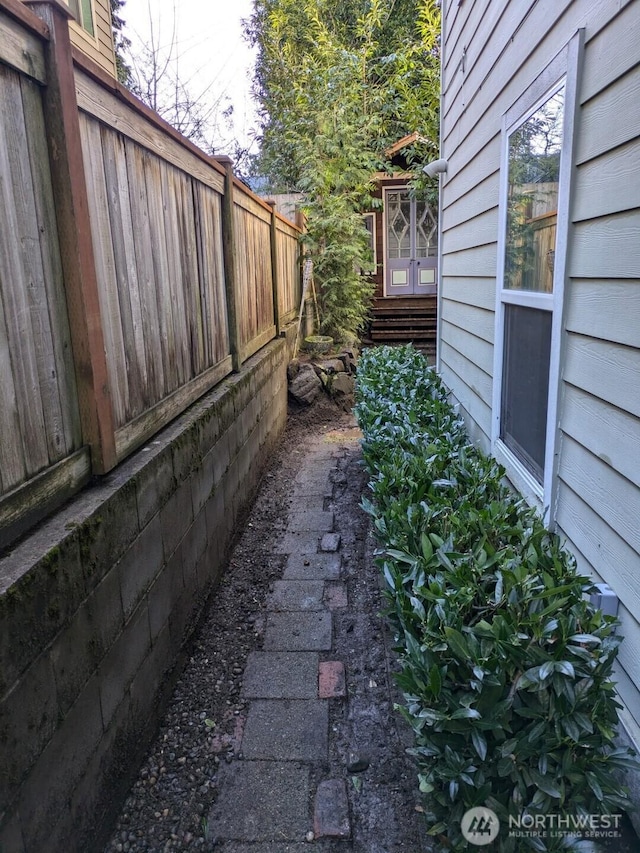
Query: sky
(210, 47)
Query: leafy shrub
(506, 668)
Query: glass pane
(532, 204)
(370, 266)
(399, 278)
(398, 225)
(525, 384)
(426, 231)
(87, 16)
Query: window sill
(520, 478)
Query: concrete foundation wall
(96, 605)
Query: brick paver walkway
(289, 787)
(289, 688)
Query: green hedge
(506, 668)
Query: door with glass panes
(411, 239)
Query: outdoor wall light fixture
(435, 167)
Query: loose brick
(331, 811)
(332, 683)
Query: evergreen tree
(120, 42)
(338, 81)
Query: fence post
(229, 252)
(275, 278)
(301, 223)
(74, 235)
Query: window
(370, 224)
(82, 11)
(536, 169)
(530, 247)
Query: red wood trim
(17, 10)
(74, 234)
(100, 76)
(93, 70)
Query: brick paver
(287, 730)
(331, 812)
(280, 675)
(297, 631)
(332, 682)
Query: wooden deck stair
(402, 320)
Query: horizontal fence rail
(126, 291)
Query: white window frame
(562, 71)
(81, 23)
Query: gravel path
(201, 734)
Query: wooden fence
(135, 271)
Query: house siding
(100, 47)
(493, 52)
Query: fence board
(151, 421)
(155, 215)
(62, 416)
(288, 252)
(21, 270)
(126, 271)
(160, 268)
(12, 467)
(161, 271)
(105, 267)
(211, 266)
(141, 227)
(253, 238)
(195, 319)
(176, 286)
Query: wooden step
(404, 322)
(404, 301)
(402, 334)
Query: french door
(411, 237)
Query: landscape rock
(343, 390)
(358, 762)
(330, 365)
(293, 368)
(305, 385)
(349, 358)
